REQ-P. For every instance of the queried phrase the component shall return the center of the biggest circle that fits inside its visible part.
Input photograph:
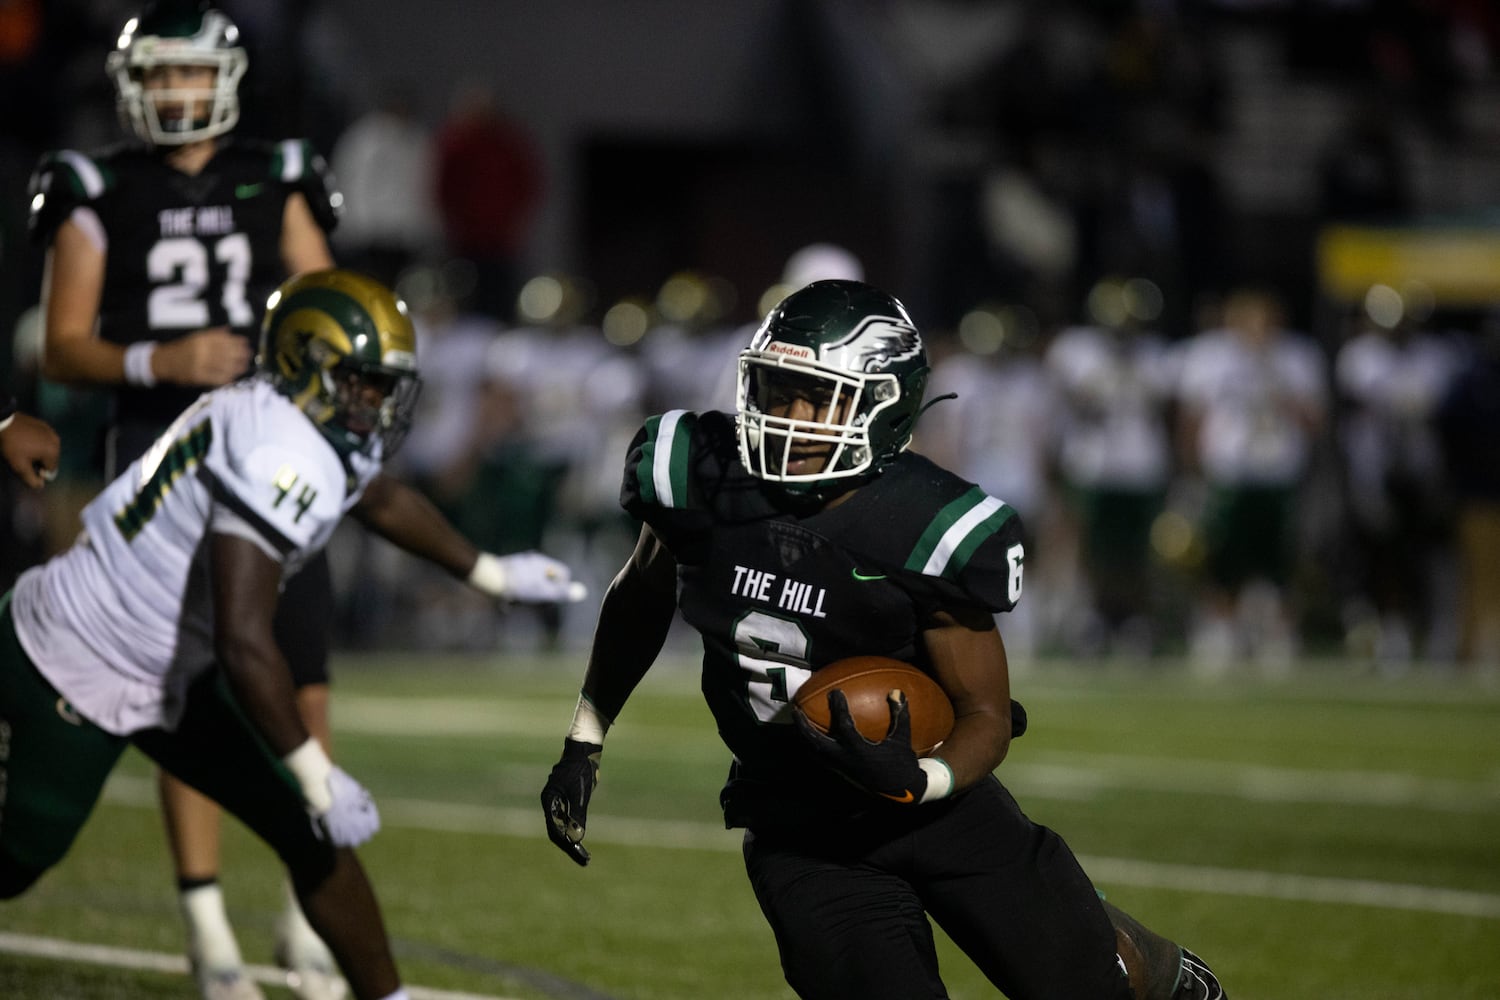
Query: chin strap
(910, 425)
(931, 403)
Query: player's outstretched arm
(406, 518)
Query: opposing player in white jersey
(161, 251)
(155, 628)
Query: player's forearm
(977, 745)
(83, 360)
(410, 521)
(968, 658)
(261, 683)
(633, 624)
(245, 596)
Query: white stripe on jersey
(291, 159)
(88, 172)
(955, 535)
(661, 465)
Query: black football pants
(849, 906)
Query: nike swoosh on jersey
(248, 190)
(866, 577)
(905, 797)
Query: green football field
(1324, 836)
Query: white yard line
(1052, 774)
(1076, 775)
(449, 817)
(154, 961)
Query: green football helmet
(342, 347)
(852, 353)
(177, 33)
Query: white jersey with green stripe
(777, 588)
(122, 621)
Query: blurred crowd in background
(1249, 413)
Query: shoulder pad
(63, 180)
(953, 536)
(656, 471)
(297, 164)
(273, 469)
(975, 541)
(941, 533)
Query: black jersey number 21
(180, 268)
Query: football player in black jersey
(161, 253)
(800, 532)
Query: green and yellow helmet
(342, 347)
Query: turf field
(1330, 836)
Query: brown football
(866, 681)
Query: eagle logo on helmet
(877, 343)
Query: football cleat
(310, 983)
(311, 973)
(1197, 981)
(224, 983)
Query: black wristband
(7, 407)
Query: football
(866, 681)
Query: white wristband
(138, 364)
(939, 779)
(311, 767)
(589, 724)
(488, 575)
(7, 421)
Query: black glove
(888, 768)
(565, 797)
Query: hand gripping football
(866, 681)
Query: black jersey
(184, 252)
(775, 594)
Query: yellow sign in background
(1459, 266)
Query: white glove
(353, 818)
(340, 806)
(526, 576)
